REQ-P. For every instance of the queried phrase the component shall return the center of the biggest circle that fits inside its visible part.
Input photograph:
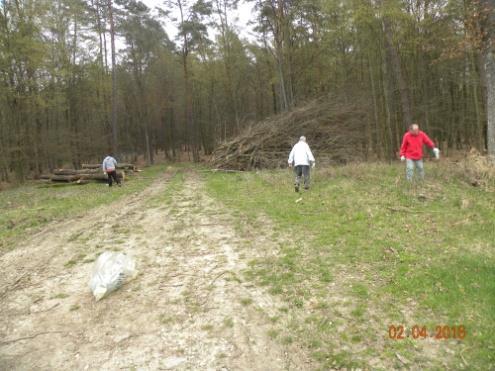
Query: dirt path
(188, 308)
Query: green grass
(60, 296)
(166, 319)
(208, 327)
(28, 208)
(228, 322)
(363, 250)
(246, 301)
(164, 198)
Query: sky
(239, 18)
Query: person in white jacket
(302, 159)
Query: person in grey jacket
(109, 167)
(301, 158)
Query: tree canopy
(62, 100)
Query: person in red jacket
(411, 151)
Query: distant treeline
(69, 92)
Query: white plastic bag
(436, 153)
(109, 273)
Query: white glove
(436, 152)
(313, 165)
(402, 158)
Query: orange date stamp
(440, 332)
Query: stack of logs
(87, 173)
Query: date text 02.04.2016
(440, 332)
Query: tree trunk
(96, 10)
(114, 80)
(188, 106)
(375, 105)
(399, 76)
(149, 155)
(490, 102)
(489, 71)
(227, 58)
(389, 106)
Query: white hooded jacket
(301, 154)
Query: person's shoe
(296, 188)
(306, 188)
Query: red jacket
(412, 145)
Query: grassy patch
(165, 197)
(166, 319)
(70, 263)
(60, 296)
(28, 208)
(246, 301)
(228, 322)
(365, 250)
(207, 328)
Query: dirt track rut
(189, 307)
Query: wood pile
(123, 166)
(88, 173)
(335, 131)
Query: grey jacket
(109, 164)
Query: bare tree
(114, 79)
(489, 61)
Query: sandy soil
(189, 307)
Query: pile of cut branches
(335, 131)
(477, 169)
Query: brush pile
(335, 131)
(477, 169)
(88, 173)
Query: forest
(209, 254)
(80, 78)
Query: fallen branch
(13, 286)
(48, 309)
(401, 209)
(227, 171)
(31, 337)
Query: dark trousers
(112, 176)
(302, 171)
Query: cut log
(65, 178)
(64, 172)
(82, 176)
(76, 172)
(91, 166)
(123, 166)
(101, 176)
(94, 177)
(82, 181)
(89, 171)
